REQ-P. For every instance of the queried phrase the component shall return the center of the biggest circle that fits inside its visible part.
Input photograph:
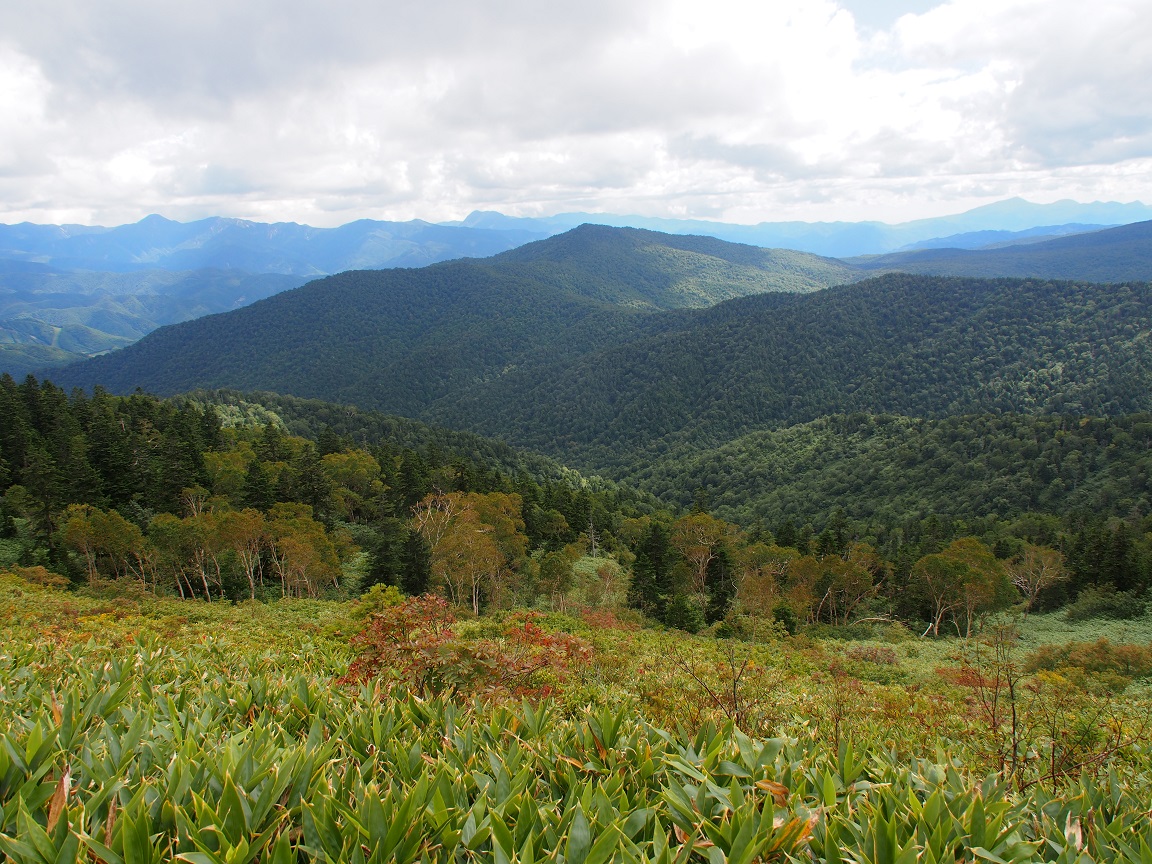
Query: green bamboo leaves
(217, 754)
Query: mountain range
(413, 336)
(583, 346)
(156, 243)
(1110, 255)
(846, 239)
(51, 315)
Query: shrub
(684, 615)
(785, 616)
(753, 628)
(1104, 601)
(881, 655)
(39, 576)
(603, 618)
(376, 600)
(415, 645)
(1099, 657)
(896, 633)
(847, 632)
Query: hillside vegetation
(78, 314)
(153, 730)
(888, 468)
(398, 340)
(557, 347)
(646, 269)
(1112, 255)
(913, 345)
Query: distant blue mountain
(1003, 239)
(156, 243)
(68, 291)
(49, 317)
(844, 239)
(1119, 254)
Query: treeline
(698, 570)
(322, 422)
(161, 491)
(222, 501)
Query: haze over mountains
(68, 292)
(845, 239)
(254, 247)
(1109, 255)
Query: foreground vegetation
(141, 729)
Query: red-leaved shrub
(414, 646)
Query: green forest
(214, 497)
(601, 386)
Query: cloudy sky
(324, 112)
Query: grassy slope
(239, 699)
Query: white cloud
(324, 112)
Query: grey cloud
(204, 54)
(297, 109)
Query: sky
(326, 112)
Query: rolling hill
(1110, 255)
(598, 371)
(398, 340)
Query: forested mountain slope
(392, 340)
(598, 385)
(398, 340)
(316, 420)
(1112, 255)
(647, 269)
(916, 345)
(889, 469)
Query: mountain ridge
(1118, 254)
(593, 378)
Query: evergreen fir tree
(416, 561)
(651, 586)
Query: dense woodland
(789, 458)
(215, 498)
(886, 468)
(599, 385)
(913, 345)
